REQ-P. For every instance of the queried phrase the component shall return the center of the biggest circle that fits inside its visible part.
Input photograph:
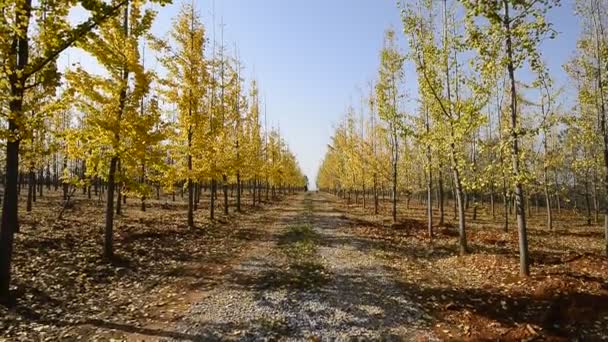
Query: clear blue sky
(311, 57)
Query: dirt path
(307, 278)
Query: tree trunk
(441, 199)
(364, 196)
(190, 191)
(65, 182)
(394, 192)
(10, 217)
(108, 250)
(492, 208)
(225, 188)
(10, 222)
(197, 196)
(429, 204)
(118, 197)
(212, 204)
(115, 161)
(587, 202)
(596, 204)
(31, 190)
(259, 185)
(375, 194)
(462, 238)
(41, 182)
(519, 189)
(548, 201)
(253, 192)
(238, 191)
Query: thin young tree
(517, 28)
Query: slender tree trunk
(55, 172)
(441, 199)
(108, 250)
(253, 192)
(190, 185)
(31, 190)
(429, 182)
(519, 189)
(259, 185)
(394, 189)
(429, 205)
(212, 204)
(587, 202)
(34, 185)
(225, 188)
(375, 194)
(454, 197)
(364, 195)
(64, 181)
(462, 239)
(119, 192)
(474, 206)
(596, 205)
(506, 207)
(143, 180)
(548, 201)
(238, 191)
(83, 177)
(558, 201)
(41, 182)
(492, 208)
(197, 195)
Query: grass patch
(299, 245)
(299, 242)
(275, 327)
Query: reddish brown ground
(480, 296)
(66, 291)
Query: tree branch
(74, 35)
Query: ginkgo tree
(32, 39)
(185, 85)
(436, 51)
(515, 28)
(111, 104)
(388, 95)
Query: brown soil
(66, 291)
(480, 296)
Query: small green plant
(299, 244)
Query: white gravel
(361, 300)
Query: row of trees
(489, 121)
(127, 130)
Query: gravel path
(358, 298)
